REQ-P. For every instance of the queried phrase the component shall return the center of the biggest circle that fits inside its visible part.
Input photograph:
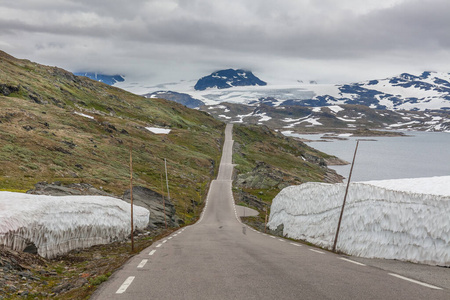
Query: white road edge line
(281, 240)
(159, 245)
(142, 263)
(416, 282)
(353, 262)
(152, 252)
(125, 285)
(317, 251)
(295, 244)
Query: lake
(420, 154)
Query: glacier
(403, 219)
(56, 225)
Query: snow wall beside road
(391, 219)
(56, 225)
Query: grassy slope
(41, 139)
(289, 161)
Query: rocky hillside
(56, 126)
(266, 162)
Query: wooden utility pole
(167, 180)
(167, 183)
(164, 202)
(131, 198)
(345, 198)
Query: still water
(420, 154)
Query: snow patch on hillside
(157, 130)
(56, 225)
(404, 219)
(84, 115)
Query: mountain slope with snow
(228, 78)
(407, 101)
(108, 79)
(428, 91)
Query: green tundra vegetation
(55, 126)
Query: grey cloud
(203, 34)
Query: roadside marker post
(131, 197)
(345, 198)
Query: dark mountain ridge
(108, 79)
(228, 78)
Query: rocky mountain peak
(228, 78)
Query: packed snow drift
(404, 219)
(56, 225)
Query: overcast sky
(331, 41)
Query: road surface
(220, 258)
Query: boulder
(153, 201)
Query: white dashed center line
(281, 240)
(353, 262)
(313, 250)
(416, 282)
(152, 252)
(125, 285)
(159, 245)
(142, 264)
(298, 245)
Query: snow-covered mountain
(428, 91)
(412, 101)
(224, 79)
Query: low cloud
(321, 39)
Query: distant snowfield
(56, 225)
(404, 219)
(416, 93)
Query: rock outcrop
(58, 189)
(153, 201)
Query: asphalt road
(220, 258)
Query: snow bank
(405, 219)
(56, 225)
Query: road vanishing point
(221, 258)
